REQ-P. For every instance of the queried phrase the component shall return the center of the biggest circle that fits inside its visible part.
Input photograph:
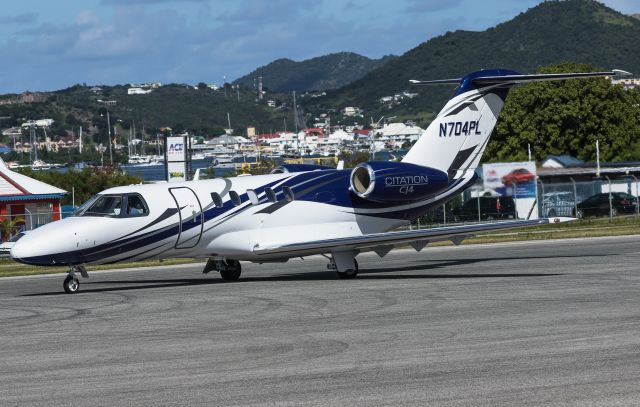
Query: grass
(592, 227)
(10, 268)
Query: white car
(5, 247)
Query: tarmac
(529, 323)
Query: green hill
(180, 107)
(582, 31)
(325, 72)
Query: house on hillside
(561, 161)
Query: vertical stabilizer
(455, 140)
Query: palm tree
(10, 226)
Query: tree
(201, 86)
(86, 183)
(9, 227)
(567, 117)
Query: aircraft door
(190, 211)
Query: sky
(50, 45)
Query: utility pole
(295, 112)
(34, 147)
(110, 142)
(108, 103)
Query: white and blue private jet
(298, 210)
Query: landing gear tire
(71, 285)
(349, 273)
(231, 271)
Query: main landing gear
(71, 283)
(344, 263)
(230, 270)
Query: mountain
(326, 72)
(582, 31)
(635, 16)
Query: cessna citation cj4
(298, 210)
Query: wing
(383, 242)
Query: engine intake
(390, 181)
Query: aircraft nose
(24, 250)
(32, 250)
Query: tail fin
(455, 140)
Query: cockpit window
(136, 206)
(105, 205)
(115, 206)
(80, 209)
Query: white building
(138, 91)
(38, 123)
(351, 111)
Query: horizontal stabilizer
(515, 79)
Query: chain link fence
(602, 197)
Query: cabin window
(136, 206)
(271, 196)
(235, 198)
(288, 194)
(217, 199)
(104, 205)
(253, 197)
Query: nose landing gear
(71, 283)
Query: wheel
(232, 271)
(71, 285)
(580, 214)
(349, 273)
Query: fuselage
(219, 218)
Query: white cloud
(421, 6)
(24, 18)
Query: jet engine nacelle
(285, 168)
(396, 181)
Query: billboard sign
(176, 172)
(176, 155)
(511, 179)
(176, 149)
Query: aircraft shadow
(394, 273)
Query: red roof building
(36, 202)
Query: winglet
(340, 165)
(620, 72)
(435, 82)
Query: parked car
(557, 204)
(518, 176)
(598, 204)
(491, 207)
(5, 247)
